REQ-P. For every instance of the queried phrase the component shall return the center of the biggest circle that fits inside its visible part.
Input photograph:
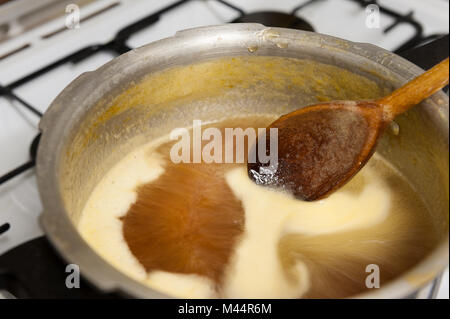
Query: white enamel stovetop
(19, 201)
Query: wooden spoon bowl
(321, 147)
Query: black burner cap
(275, 19)
(34, 146)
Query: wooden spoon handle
(415, 91)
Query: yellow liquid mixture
(207, 231)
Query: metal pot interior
(149, 100)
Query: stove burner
(34, 147)
(4, 228)
(275, 19)
(42, 275)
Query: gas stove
(44, 47)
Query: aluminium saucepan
(86, 130)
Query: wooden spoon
(321, 147)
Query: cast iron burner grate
(276, 19)
(10, 262)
